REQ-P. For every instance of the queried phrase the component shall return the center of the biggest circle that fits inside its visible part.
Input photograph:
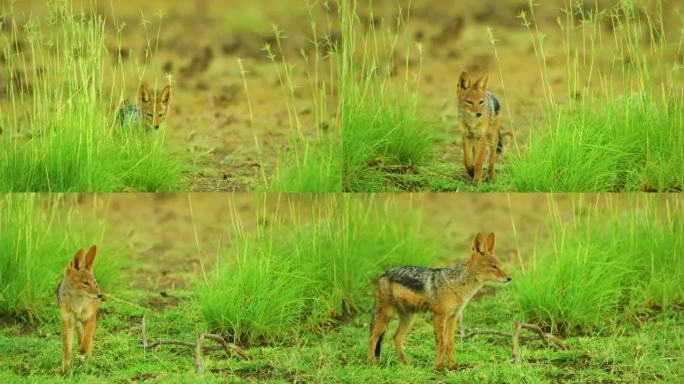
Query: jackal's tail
(499, 145)
(378, 346)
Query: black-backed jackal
(406, 291)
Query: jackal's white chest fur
(472, 126)
(465, 299)
(79, 306)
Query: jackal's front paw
(65, 369)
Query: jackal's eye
(85, 283)
(481, 102)
(469, 102)
(150, 115)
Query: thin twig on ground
(198, 346)
(517, 338)
(516, 343)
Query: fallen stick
(198, 346)
(546, 336)
(198, 354)
(516, 343)
(517, 338)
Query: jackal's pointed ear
(490, 242)
(144, 95)
(478, 244)
(482, 82)
(76, 264)
(165, 95)
(90, 258)
(464, 81)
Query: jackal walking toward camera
(479, 115)
(78, 297)
(149, 111)
(407, 291)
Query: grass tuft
(619, 126)
(60, 126)
(607, 266)
(312, 163)
(309, 272)
(382, 130)
(38, 237)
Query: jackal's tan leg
(438, 323)
(405, 322)
(79, 332)
(468, 155)
(450, 331)
(493, 145)
(87, 344)
(479, 158)
(67, 334)
(381, 318)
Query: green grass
(638, 147)
(312, 161)
(373, 232)
(60, 128)
(649, 352)
(620, 128)
(612, 124)
(38, 237)
(312, 166)
(607, 266)
(305, 276)
(382, 129)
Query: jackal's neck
(463, 280)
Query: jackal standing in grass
(407, 291)
(78, 297)
(479, 115)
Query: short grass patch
(647, 352)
